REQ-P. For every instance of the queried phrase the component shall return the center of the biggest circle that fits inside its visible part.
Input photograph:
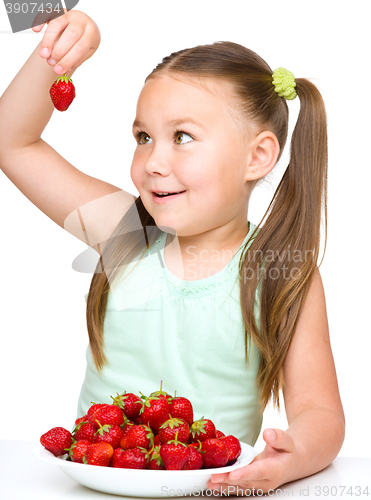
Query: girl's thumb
(270, 436)
(278, 439)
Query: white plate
(142, 483)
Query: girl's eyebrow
(174, 123)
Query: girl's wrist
(297, 469)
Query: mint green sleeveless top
(189, 334)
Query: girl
(187, 289)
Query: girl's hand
(270, 469)
(79, 38)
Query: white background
(42, 321)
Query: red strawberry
(85, 431)
(216, 453)
(57, 440)
(135, 458)
(95, 407)
(129, 403)
(78, 450)
(219, 434)
(233, 446)
(98, 454)
(81, 419)
(156, 441)
(171, 427)
(174, 454)
(116, 457)
(127, 427)
(155, 461)
(111, 434)
(107, 414)
(202, 429)
(154, 411)
(182, 408)
(137, 436)
(195, 444)
(62, 93)
(195, 460)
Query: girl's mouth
(163, 198)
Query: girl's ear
(263, 154)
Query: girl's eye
(179, 136)
(144, 138)
(141, 135)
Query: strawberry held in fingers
(62, 93)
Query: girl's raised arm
(55, 186)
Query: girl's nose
(156, 163)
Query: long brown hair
(273, 264)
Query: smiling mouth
(169, 194)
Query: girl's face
(188, 140)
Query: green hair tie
(284, 83)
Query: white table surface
(24, 477)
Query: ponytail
(288, 244)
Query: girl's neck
(198, 257)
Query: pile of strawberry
(154, 432)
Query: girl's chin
(167, 229)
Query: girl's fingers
(83, 49)
(251, 472)
(38, 28)
(218, 478)
(52, 32)
(69, 40)
(70, 47)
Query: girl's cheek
(135, 176)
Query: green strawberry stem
(159, 393)
(176, 442)
(64, 79)
(172, 422)
(102, 428)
